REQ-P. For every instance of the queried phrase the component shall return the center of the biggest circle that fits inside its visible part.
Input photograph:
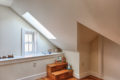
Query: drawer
(64, 76)
(53, 69)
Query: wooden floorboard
(87, 78)
(50, 79)
(91, 78)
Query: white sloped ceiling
(106, 17)
(6, 2)
(57, 16)
(60, 17)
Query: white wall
(25, 71)
(111, 60)
(85, 36)
(10, 40)
(10, 33)
(73, 58)
(84, 51)
(94, 56)
(105, 59)
(100, 58)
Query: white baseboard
(84, 74)
(101, 76)
(33, 77)
(96, 74)
(76, 75)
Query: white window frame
(25, 31)
(37, 25)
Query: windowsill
(20, 59)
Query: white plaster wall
(84, 50)
(94, 57)
(26, 70)
(10, 33)
(111, 59)
(73, 58)
(85, 36)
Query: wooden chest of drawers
(62, 75)
(58, 71)
(55, 67)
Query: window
(28, 43)
(36, 24)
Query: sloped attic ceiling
(103, 18)
(85, 35)
(60, 17)
(6, 2)
(57, 18)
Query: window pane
(26, 38)
(30, 47)
(26, 47)
(30, 37)
(29, 43)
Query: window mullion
(28, 44)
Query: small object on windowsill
(63, 59)
(69, 67)
(58, 50)
(10, 56)
(4, 57)
(55, 50)
(49, 52)
(58, 60)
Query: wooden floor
(90, 78)
(87, 78)
(50, 79)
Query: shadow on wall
(85, 37)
